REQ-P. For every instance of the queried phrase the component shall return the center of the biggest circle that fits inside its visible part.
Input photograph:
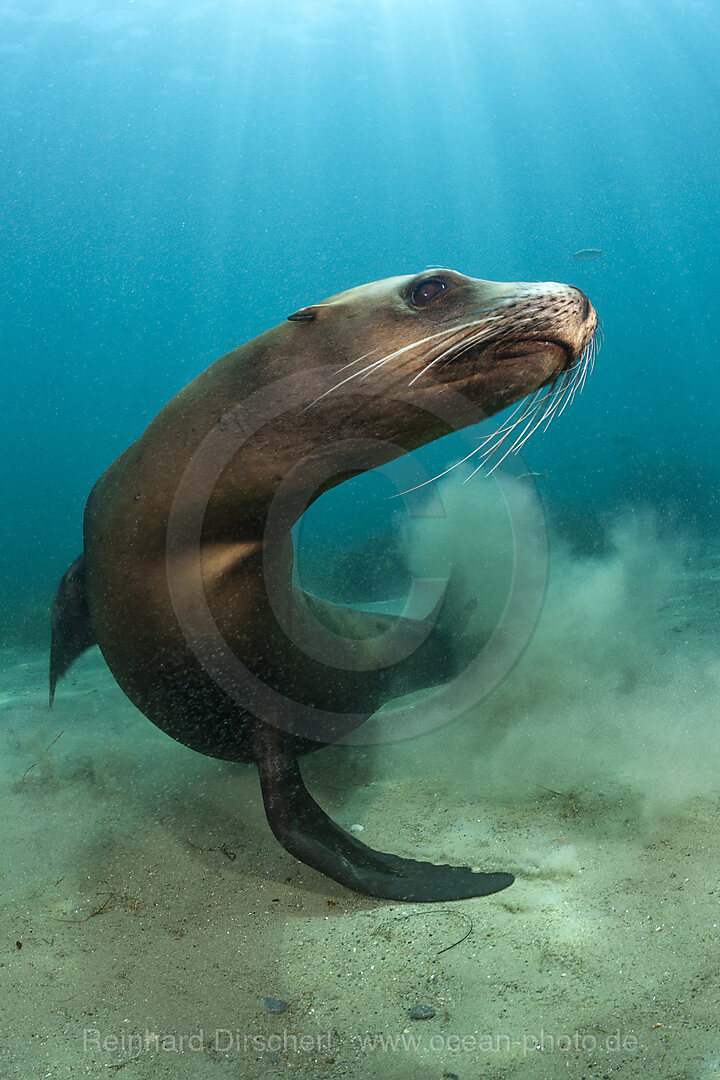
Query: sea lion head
(496, 342)
(398, 363)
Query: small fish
(587, 253)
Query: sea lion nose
(586, 306)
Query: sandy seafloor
(145, 899)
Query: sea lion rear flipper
(305, 830)
(72, 631)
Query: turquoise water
(179, 177)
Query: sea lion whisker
(581, 371)
(527, 411)
(526, 417)
(491, 311)
(533, 419)
(583, 368)
(453, 352)
(522, 406)
(533, 408)
(355, 375)
(438, 476)
(423, 341)
(539, 409)
(357, 360)
(591, 353)
(369, 367)
(579, 383)
(349, 378)
(563, 389)
(522, 412)
(364, 372)
(519, 413)
(413, 345)
(558, 404)
(515, 447)
(391, 356)
(570, 384)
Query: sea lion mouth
(567, 369)
(568, 372)
(507, 364)
(557, 351)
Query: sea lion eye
(428, 291)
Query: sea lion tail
(72, 630)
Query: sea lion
(185, 582)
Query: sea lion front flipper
(305, 830)
(72, 630)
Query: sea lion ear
(306, 314)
